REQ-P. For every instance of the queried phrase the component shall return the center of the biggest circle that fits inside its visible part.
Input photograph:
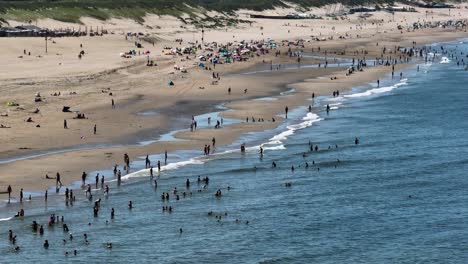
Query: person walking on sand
(95, 129)
(147, 162)
(286, 109)
(57, 180)
(21, 195)
(127, 160)
(113, 104)
(65, 125)
(9, 190)
(83, 178)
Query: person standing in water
(97, 180)
(286, 109)
(165, 157)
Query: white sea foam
(444, 60)
(336, 99)
(282, 136)
(374, 91)
(278, 147)
(6, 219)
(309, 119)
(170, 166)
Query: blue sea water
(399, 196)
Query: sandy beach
(146, 106)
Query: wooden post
(46, 41)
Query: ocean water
(399, 196)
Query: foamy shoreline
(25, 173)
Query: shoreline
(229, 148)
(74, 184)
(80, 158)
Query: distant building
(21, 31)
(10, 32)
